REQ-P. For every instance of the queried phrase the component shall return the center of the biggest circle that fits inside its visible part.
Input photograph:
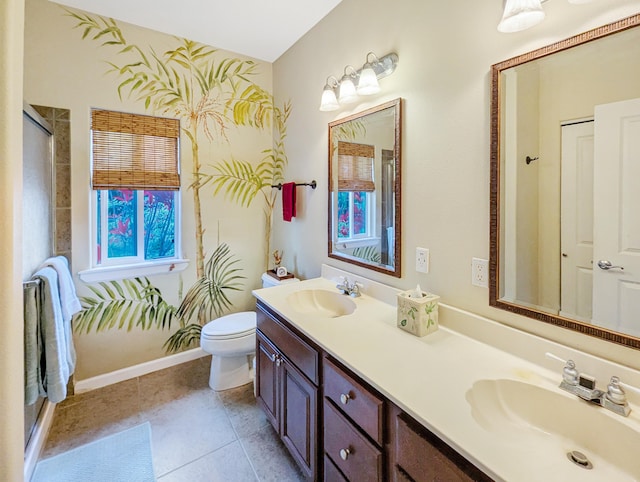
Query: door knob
(606, 265)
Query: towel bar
(30, 283)
(313, 185)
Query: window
(353, 215)
(355, 199)
(136, 226)
(136, 184)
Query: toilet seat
(229, 327)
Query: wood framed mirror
(364, 188)
(565, 183)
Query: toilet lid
(231, 326)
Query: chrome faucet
(349, 288)
(584, 386)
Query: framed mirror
(364, 188)
(565, 183)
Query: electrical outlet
(480, 272)
(422, 260)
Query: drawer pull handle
(344, 453)
(273, 358)
(278, 361)
(344, 398)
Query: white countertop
(429, 378)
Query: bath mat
(121, 457)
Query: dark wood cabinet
(335, 425)
(416, 454)
(353, 424)
(286, 391)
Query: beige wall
(61, 70)
(11, 341)
(446, 50)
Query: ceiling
(263, 29)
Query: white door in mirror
(616, 221)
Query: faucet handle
(355, 289)
(615, 392)
(569, 373)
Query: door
(576, 236)
(38, 217)
(616, 303)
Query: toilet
(231, 339)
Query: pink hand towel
(288, 201)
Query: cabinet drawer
(356, 401)
(424, 457)
(356, 457)
(298, 351)
(331, 472)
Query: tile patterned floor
(197, 434)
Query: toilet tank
(269, 281)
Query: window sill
(356, 243)
(110, 273)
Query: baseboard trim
(38, 438)
(134, 371)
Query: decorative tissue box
(418, 316)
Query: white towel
(69, 303)
(55, 375)
(68, 298)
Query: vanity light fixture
(357, 82)
(520, 15)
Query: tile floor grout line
(239, 439)
(244, 450)
(196, 459)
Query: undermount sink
(322, 303)
(549, 426)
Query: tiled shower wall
(59, 121)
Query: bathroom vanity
(363, 435)
(355, 398)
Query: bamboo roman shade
(132, 151)
(355, 167)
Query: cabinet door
(267, 379)
(298, 427)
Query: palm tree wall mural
(189, 82)
(133, 303)
(208, 94)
